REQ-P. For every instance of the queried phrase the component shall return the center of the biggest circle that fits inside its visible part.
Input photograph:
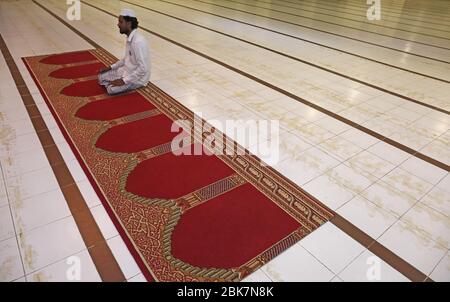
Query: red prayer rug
(184, 218)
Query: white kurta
(134, 68)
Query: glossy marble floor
(364, 120)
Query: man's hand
(118, 82)
(104, 69)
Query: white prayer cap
(126, 12)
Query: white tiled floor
(41, 246)
(62, 270)
(394, 197)
(367, 216)
(368, 267)
(411, 245)
(297, 264)
(126, 262)
(39, 210)
(105, 224)
(440, 273)
(332, 247)
(11, 262)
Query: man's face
(124, 26)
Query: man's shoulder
(139, 38)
